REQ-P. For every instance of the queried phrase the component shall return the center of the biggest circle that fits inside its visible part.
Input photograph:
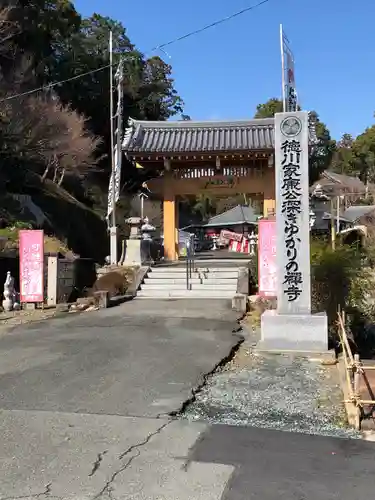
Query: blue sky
(226, 71)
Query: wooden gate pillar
(269, 200)
(169, 226)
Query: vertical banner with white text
(288, 77)
(31, 252)
(117, 144)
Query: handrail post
(187, 264)
(189, 261)
(192, 255)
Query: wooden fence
(354, 370)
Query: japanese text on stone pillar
(291, 195)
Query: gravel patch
(278, 392)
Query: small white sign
(292, 213)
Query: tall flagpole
(118, 132)
(282, 66)
(113, 228)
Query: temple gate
(215, 158)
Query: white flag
(117, 184)
(288, 75)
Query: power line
(212, 25)
(158, 47)
(54, 84)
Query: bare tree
(53, 140)
(6, 31)
(72, 148)
(9, 28)
(36, 131)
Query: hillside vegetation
(71, 226)
(55, 123)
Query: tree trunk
(55, 175)
(45, 173)
(61, 177)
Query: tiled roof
(241, 214)
(332, 184)
(192, 136)
(345, 180)
(355, 212)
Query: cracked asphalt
(85, 414)
(86, 402)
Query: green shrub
(339, 281)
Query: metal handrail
(190, 254)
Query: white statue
(253, 241)
(147, 229)
(214, 242)
(9, 293)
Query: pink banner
(267, 266)
(31, 250)
(230, 235)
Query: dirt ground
(8, 320)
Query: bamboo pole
(362, 401)
(345, 339)
(348, 380)
(357, 375)
(348, 368)
(356, 368)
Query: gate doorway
(224, 227)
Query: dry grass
(253, 318)
(9, 242)
(115, 282)
(257, 306)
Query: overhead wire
(160, 47)
(211, 25)
(54, 84)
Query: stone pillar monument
(292, 327)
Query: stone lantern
(133, 255)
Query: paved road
(83, 415)
(141, 359)
(82, 390)
(270, 465)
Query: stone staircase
(169, 282)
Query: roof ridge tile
(172, 137)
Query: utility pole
(112, 193)
(333, 232)
(337, 214)
(116, 149)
